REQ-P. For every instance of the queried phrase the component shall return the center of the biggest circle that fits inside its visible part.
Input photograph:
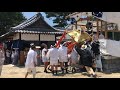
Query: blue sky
(30, 14)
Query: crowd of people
(85, 57)
(11, 57)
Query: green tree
(10, 19)
(59, 18)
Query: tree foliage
(59, 18)
(10, 19)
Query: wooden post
(97, 28)
(76, 25)
(87, 21)
(55, 38)
(106, 36)
(39, 39)
(20, 36)
(113, 35)
(22, 58)
(101, 26)
(20, 61)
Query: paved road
(9, 71)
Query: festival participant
(63, 58)
(86, 59)
(94, 37)
(44, 57)
(74, 59)
(15, 57)
(31, 61)
(49, 66)
(96, 53)
(52, 55)
(8, 58)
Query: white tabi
(63, 54)
(44, 57)
(31, 61)
(52, 55)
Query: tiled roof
(27, 22)
(31, 21)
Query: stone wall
(111, 64)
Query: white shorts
(33, 70)
(53, 62)
(63, 60)
(44, 59)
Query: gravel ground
(10, 71)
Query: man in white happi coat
(44, 57)
(31, 61)
(52, 55)
(74, 59)
(63, 57)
